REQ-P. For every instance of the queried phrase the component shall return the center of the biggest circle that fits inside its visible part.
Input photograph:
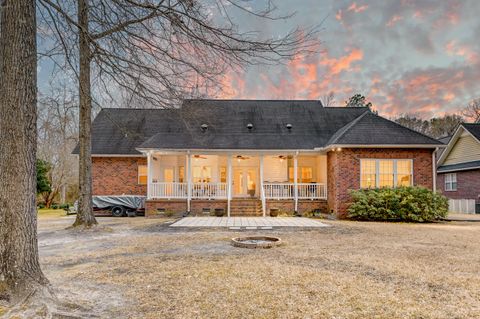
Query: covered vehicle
(120, 205)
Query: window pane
(306, 174)
(142, 180)
(142, 169)
(454, 177)
(207, 174)
(404, 180)
(142, 174)
(197, 174)
(368, 181)
(223, 174)
(368, 166)
(181, 174)
(454, 186)
(368, 170)
(386, 173)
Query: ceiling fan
(240, 157)
(199, 157)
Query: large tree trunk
(20, 273)
(85, 216)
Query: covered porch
(262, 176)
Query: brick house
(248, 156)
(459, 169)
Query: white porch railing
(287, 190)
(180, 190)
(209, 190)
(312, 191)
(168, 190)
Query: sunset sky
(418, 57)
(405, 56)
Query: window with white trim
(451, 182)
(142, 174)
(386, 173)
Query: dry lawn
(139, 268)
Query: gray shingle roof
(371, 129)
(459, 167)
(473, 128)
(121, 131)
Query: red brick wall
(304, 206)
(468, 185)
(117, 176)
(344, 171)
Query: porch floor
(248, 222)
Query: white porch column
(149, 174)
(229, 182)
(189, 180)
(262, 192)
(295, 181)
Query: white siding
(275, 170)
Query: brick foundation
(117, 176)
(177, 207)
(304, 206)
(343, 171)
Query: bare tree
(436, 127)
(329, 99)
(57, 135)
(20, 273)
(153, 50)
(472, 111)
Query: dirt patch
(142, 268)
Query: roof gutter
(458, 169)
(334, 146)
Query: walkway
(248, 222)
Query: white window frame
(377, 170)
(450, 178)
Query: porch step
(246, 207)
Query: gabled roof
(371, 129)
(126, 131)
(472, 128)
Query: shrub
(411, 204)
(64, 206)
(41, 205)
(54, 206)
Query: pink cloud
(343, 63)
(393, 20)
(452, 48)
(357, 9)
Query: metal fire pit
(256, 242)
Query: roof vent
(204, 127)
(289, 126)
(249, 126)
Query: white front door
(245, 181)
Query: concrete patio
(248, 222)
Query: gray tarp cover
(129, 201)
